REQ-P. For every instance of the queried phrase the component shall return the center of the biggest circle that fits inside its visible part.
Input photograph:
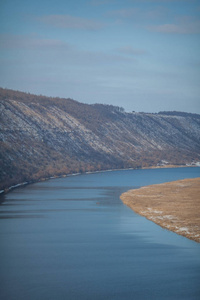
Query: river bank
(20, 184)
(172, 205)
(74, 238)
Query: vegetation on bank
(173, 205)
(43, 136)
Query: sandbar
(173, 205)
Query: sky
(141, 55)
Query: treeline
(92, 116)
(44, 136)
(179, 113)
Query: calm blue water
(72, 238)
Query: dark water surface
(72, 238)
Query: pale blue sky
(142, 55)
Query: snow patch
(183, 229)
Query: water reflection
(72, 238)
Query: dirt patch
(172, 205)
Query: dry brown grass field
(172, 205)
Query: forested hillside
(43, 136)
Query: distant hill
(178, 113)
(44, 136)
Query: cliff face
(42, 137)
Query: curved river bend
(72, 238)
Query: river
(72, 238)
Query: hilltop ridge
(44, 136)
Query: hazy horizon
(140, 55)
(126, 111)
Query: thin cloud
(182, 28)
(164, 1)
(138, 15)
(9, 41)
(128, 50)
(101, 2)
(56, 51)
(68, 21)
(123, 13)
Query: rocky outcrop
(42, 137)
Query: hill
(44, 136)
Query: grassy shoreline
(21, 184)
(173, 205)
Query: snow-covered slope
(42, 137)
